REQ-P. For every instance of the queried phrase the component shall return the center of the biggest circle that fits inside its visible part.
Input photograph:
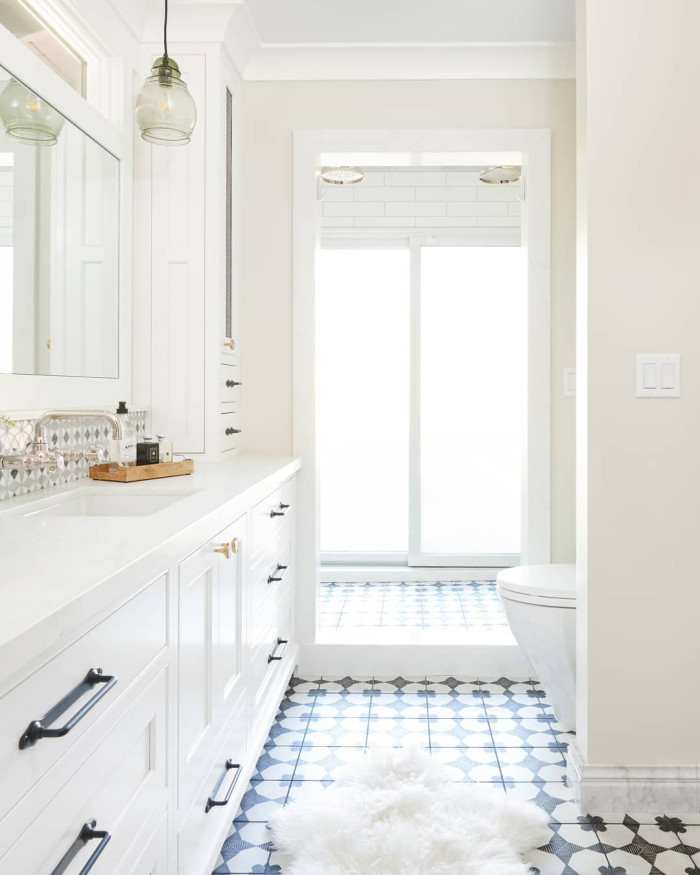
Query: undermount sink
(96, 503)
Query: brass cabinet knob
(230, 344)
(224, 549)
(235, 544)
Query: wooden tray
(142, 472)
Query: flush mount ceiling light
(165, 110)
(28, 118)
(506, 175)
(342, 175)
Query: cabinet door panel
(230, 616)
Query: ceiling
(367, 22)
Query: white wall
(639, 458)
(270, 112)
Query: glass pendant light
(28, 118)
(165, 111)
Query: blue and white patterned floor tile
(496, 731)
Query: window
(22, 21)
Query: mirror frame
(23, 395)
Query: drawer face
(230, 430)
(201, 826)
(265, 637)
(229, 383)
(117, 786)
(122, 645)
(272, 520)
(270, 580)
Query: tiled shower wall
(437, 201)
(66, 434)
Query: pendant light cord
(165, 31)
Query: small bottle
(147, 451)
(123, 453)
(165, 448)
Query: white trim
(34, 392)
(534, 145)
(398, 573)
(405, 660)
(259, 61)
(349, 238)
(639, 788)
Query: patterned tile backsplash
(73, 434)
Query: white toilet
(540, 604)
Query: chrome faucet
(38, 455)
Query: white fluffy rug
(395, 813)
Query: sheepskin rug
(396, 813)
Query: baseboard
(389, 660)
(398, 573)
(631, 789)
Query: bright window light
(362, 372)
(473, 329)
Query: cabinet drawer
(270, 579)
(272, 520)
(121, 645)
(201, 828)
(230, 430)
(117, 787)
(151, 857)
(229, 383)
(269, 650)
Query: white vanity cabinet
(194, 655)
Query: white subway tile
(386, 222)
(499, 221)
(477, 208)
(371, 178)
(461, 177)
(498, 192)
(445, 194)
(515, 208)
(353, 209)
(415, 209)
(337, 194)
(337, 222)
(447, 222)
(382, 193)
(415, 177)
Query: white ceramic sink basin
(108, 503)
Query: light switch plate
(658, 376)
(569, 381)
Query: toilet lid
(547, 581)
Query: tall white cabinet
(186, 267)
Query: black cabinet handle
(229, 431)
(274, 656)
(283, 508)
(87, 834)
(40, 728)
(275, 576)
(231, 383)
(211, 801)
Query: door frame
(534, 145)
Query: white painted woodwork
(189, 697)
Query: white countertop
(58, 572)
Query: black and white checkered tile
(73, 434)
(500, 732)
(463, 606)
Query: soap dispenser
(123, 452)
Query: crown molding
(264, 62)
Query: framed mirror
(59, 242)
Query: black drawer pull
(211, 801)
(87, 834)
(229, 431)
(281, 643)
(281, 510)
(39, 729)
(275, 576)
(231, 383)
